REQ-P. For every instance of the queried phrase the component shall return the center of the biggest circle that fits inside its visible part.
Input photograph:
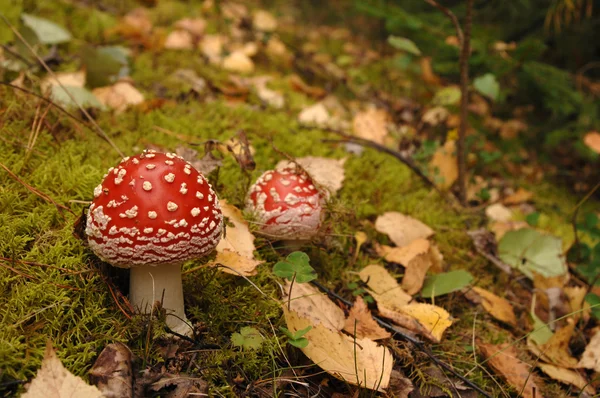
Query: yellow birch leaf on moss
(433, 318)
(384, 288)
(402, 229)
(53, 380)
(356, 361)
(496, 306)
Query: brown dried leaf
(355, 361)
(443, 166)
(498, 212)
(236, 249)
(567, 376)
(212, 47)
(556, 350)
(592, 141)
(264, 21)
(299, 85)
(371, 124)
(402, 229)
(119, 96)
(112, 372)
(196, 26)
(521, 196)
(315, 115)
(67, 79)
(591, 356)
(384, 288)
(496, 306)
(503, 358)
(327, 172)
(179, 40)
(400, 386)
(511, 128)
(184, 386)
(238, 62)
(310, 303)
(416, 257)
(53, 380)
(361, 321)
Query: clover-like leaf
(296, 264)
(248, 338)
(487, 85)
(296, 339)
(404, 44)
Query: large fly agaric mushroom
(286, 203)
(151, 213)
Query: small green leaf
(47, 31)
(105, 65)
(447, 96)
(591, 219)
(440, 284)
(248, 338)
(594, 301)
(487, 85)
(299, 343)
(531, 251)
(541, 331)
(11, 9)
(404, 44)
(82, 96)
(302, 332)
(533, 218)
(296, 263)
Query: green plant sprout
(296, 339)
(360, 291)
(295, 267)
(248, 338)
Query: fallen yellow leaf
(401, 229)
(356, 361)
(361, 321)
(496, 306)
(443, 167)
(384, 288)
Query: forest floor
(235, 89)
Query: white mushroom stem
(146, 286)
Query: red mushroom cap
(286, 203)
(153, 209)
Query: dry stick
(51, 73)
(465, 50)
(414, 341)
(408, 162)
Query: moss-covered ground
(53, 288)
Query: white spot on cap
(170, 155)
(183, 188)
(170, 177)
(98, 191)
(210, 198)
(172, 206)
(200, 180)
(147, 186)
(195, 211)
(150, 166)
(199, 195)
(152, 214)
(169, 162)
(148, 230)
(186, 169)
(135, 161)
(150, 155)
(120, 175)
(131, 213)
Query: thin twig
(414, 341)
(451, 16)
(51, 73)
(408, 162)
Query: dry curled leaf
(402, 229)
(496, 306)
(356, 361)
(236, 249)
(371, 124)
(361, 322)
(568, 376)
(417, 258)
(112, 372)
(238, 62)
(326, 172)
(119, 96)
(503, 358)
(314, 305)
(592, 141)
(315, 115)
(384, 288)
(443, 166)
(591, 356)
(520, 196)
(53, 380)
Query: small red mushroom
(151, 213)
(286, 203)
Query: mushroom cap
(286, 204)
(153, 209)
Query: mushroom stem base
(160, 283)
